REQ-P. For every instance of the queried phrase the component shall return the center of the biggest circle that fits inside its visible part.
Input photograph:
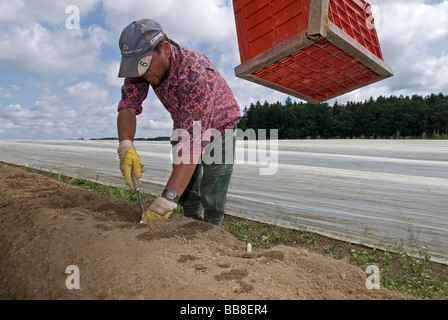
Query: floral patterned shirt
(194, 93)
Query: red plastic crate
(353, 18)
(314, 50)
(264, 24)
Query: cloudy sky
(58, 81)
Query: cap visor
(131, 67)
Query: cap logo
(157, 37)
(143, 65)
(130, 51)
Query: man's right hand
(130, 161)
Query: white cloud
(408, 32)
(14, 111)
(21, 123)
(10, 9)
(54, 116)
(87, 92)
(35, 38)
(187, 21)
(4, 93)
(34, 48)
(41, 11)
(154, 124)
(112, 74)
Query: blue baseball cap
(137, 42)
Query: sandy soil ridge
(47, 226)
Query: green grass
(399, 270)
(406, 273)
(260, 235)
(415, 278)
(115, 192)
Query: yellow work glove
(160, 210)
(130, 161)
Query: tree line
(383, 118)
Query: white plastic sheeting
(373, 192)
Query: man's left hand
(160, 210)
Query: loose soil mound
(46, 226)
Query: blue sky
(61, 83)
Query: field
(49, 225)
(377, 193)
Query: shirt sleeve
(133, 93)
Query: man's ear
(166, 48)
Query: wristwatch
(170, 195)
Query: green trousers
(206, 193)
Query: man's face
(159, 67)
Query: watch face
(170, 194)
